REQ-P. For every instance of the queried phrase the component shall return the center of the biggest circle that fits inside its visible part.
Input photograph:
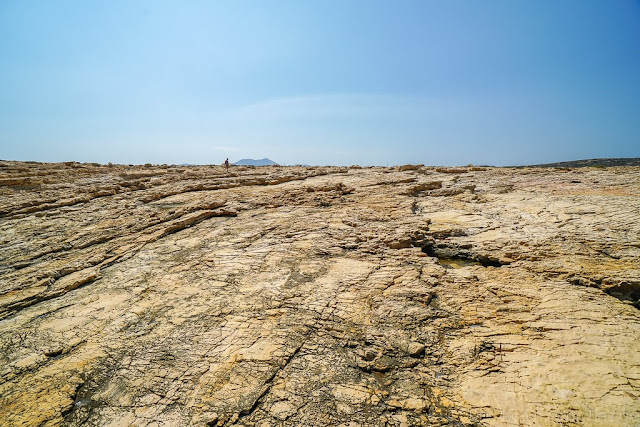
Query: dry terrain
(185, 295)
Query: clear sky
(320, 81)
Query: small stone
(369, 355)
(415, 349)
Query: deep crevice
(627, 291)
(454, 255)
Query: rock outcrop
(185, 295)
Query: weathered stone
(160, 295)
(403, 168)
(415, 349)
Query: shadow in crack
(454, 256)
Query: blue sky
(320, 82)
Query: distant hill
(253, 162)
(628, 161)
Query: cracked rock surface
(175, 295)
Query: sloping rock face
(319, 296)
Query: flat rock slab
(186, 295)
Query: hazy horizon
(233, 162)
(373, 83)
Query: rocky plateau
(319, 296)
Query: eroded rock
(142, 295)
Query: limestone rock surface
(185, 295)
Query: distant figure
(226, 164)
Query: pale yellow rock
(30, 361)
(353, 394)
(446, 402)
(173, 296)
(282, 410)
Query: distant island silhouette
(253, 162)
(627, 161)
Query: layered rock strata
(164, 295)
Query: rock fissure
(454, 255)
